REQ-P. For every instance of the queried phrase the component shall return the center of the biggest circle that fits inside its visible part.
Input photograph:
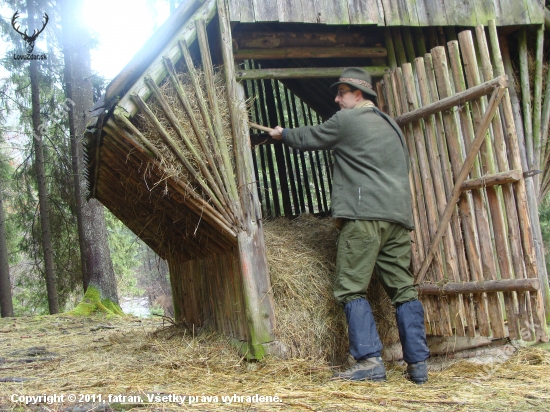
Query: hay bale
(301, 254)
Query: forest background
(53, 242)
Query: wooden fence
(290, 182)
(475, 262)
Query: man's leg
(358, 246)
(393, 270)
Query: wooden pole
(227, 168)
(465, 170)
(259, 314)
(501, 178)
(179, 155)
(537, 104)
(525, 191)
(215, 181)
(477, 196)
(494, 198)
(457, 99)
(303, 73)
(309, 53)
(513, 234)
(526, 100)
(192, 200)
(417, 247)
(392, 61)
(447, 268)
(488, 286)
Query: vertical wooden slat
(525, 192)
(452, 241)
(307, 115)
(282, 99)
(495, 204)
(537, 104)
(430, 198)
(322, 182)
(417, 248)
(392, 59)
(513, 235)
(272, 99)
(526, 99)
(452, 134)
(418, 196)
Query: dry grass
(301, 255)
(169, 162)
(140, 357)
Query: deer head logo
(29, 39)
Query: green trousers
(365, 245)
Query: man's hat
(358, 78)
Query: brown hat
(358, 78)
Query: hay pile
(301, 255)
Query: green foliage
(124, 254)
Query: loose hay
(127, 356)
(301, 254)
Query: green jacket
(371, 164)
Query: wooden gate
(473, 252)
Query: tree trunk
(41, 176)
(6, 304)
(97, 267)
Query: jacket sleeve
(321, 137)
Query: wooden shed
(170, 151)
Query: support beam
(309, 53)
(501, 178)
(457, 99)
(304, 73)
(504, 285)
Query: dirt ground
(64, 363)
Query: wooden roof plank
(464, 13)
(511, 12)
(391, 13)
(407, 10)
(337, 12)
(364, 12)
(313, 11)
(290, 11)
(422, 13)
(484, 11)
(381, 17)
(536, 11)
(156, 70)
(437, 14)
(241, 10)
(265, 10)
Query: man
(371, 201)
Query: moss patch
(93, 304)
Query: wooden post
(260, 315)
(537, 104)
(526, 100)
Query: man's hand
(277, 133)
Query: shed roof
(389, 12)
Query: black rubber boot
(371, 369)
(417, 372)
